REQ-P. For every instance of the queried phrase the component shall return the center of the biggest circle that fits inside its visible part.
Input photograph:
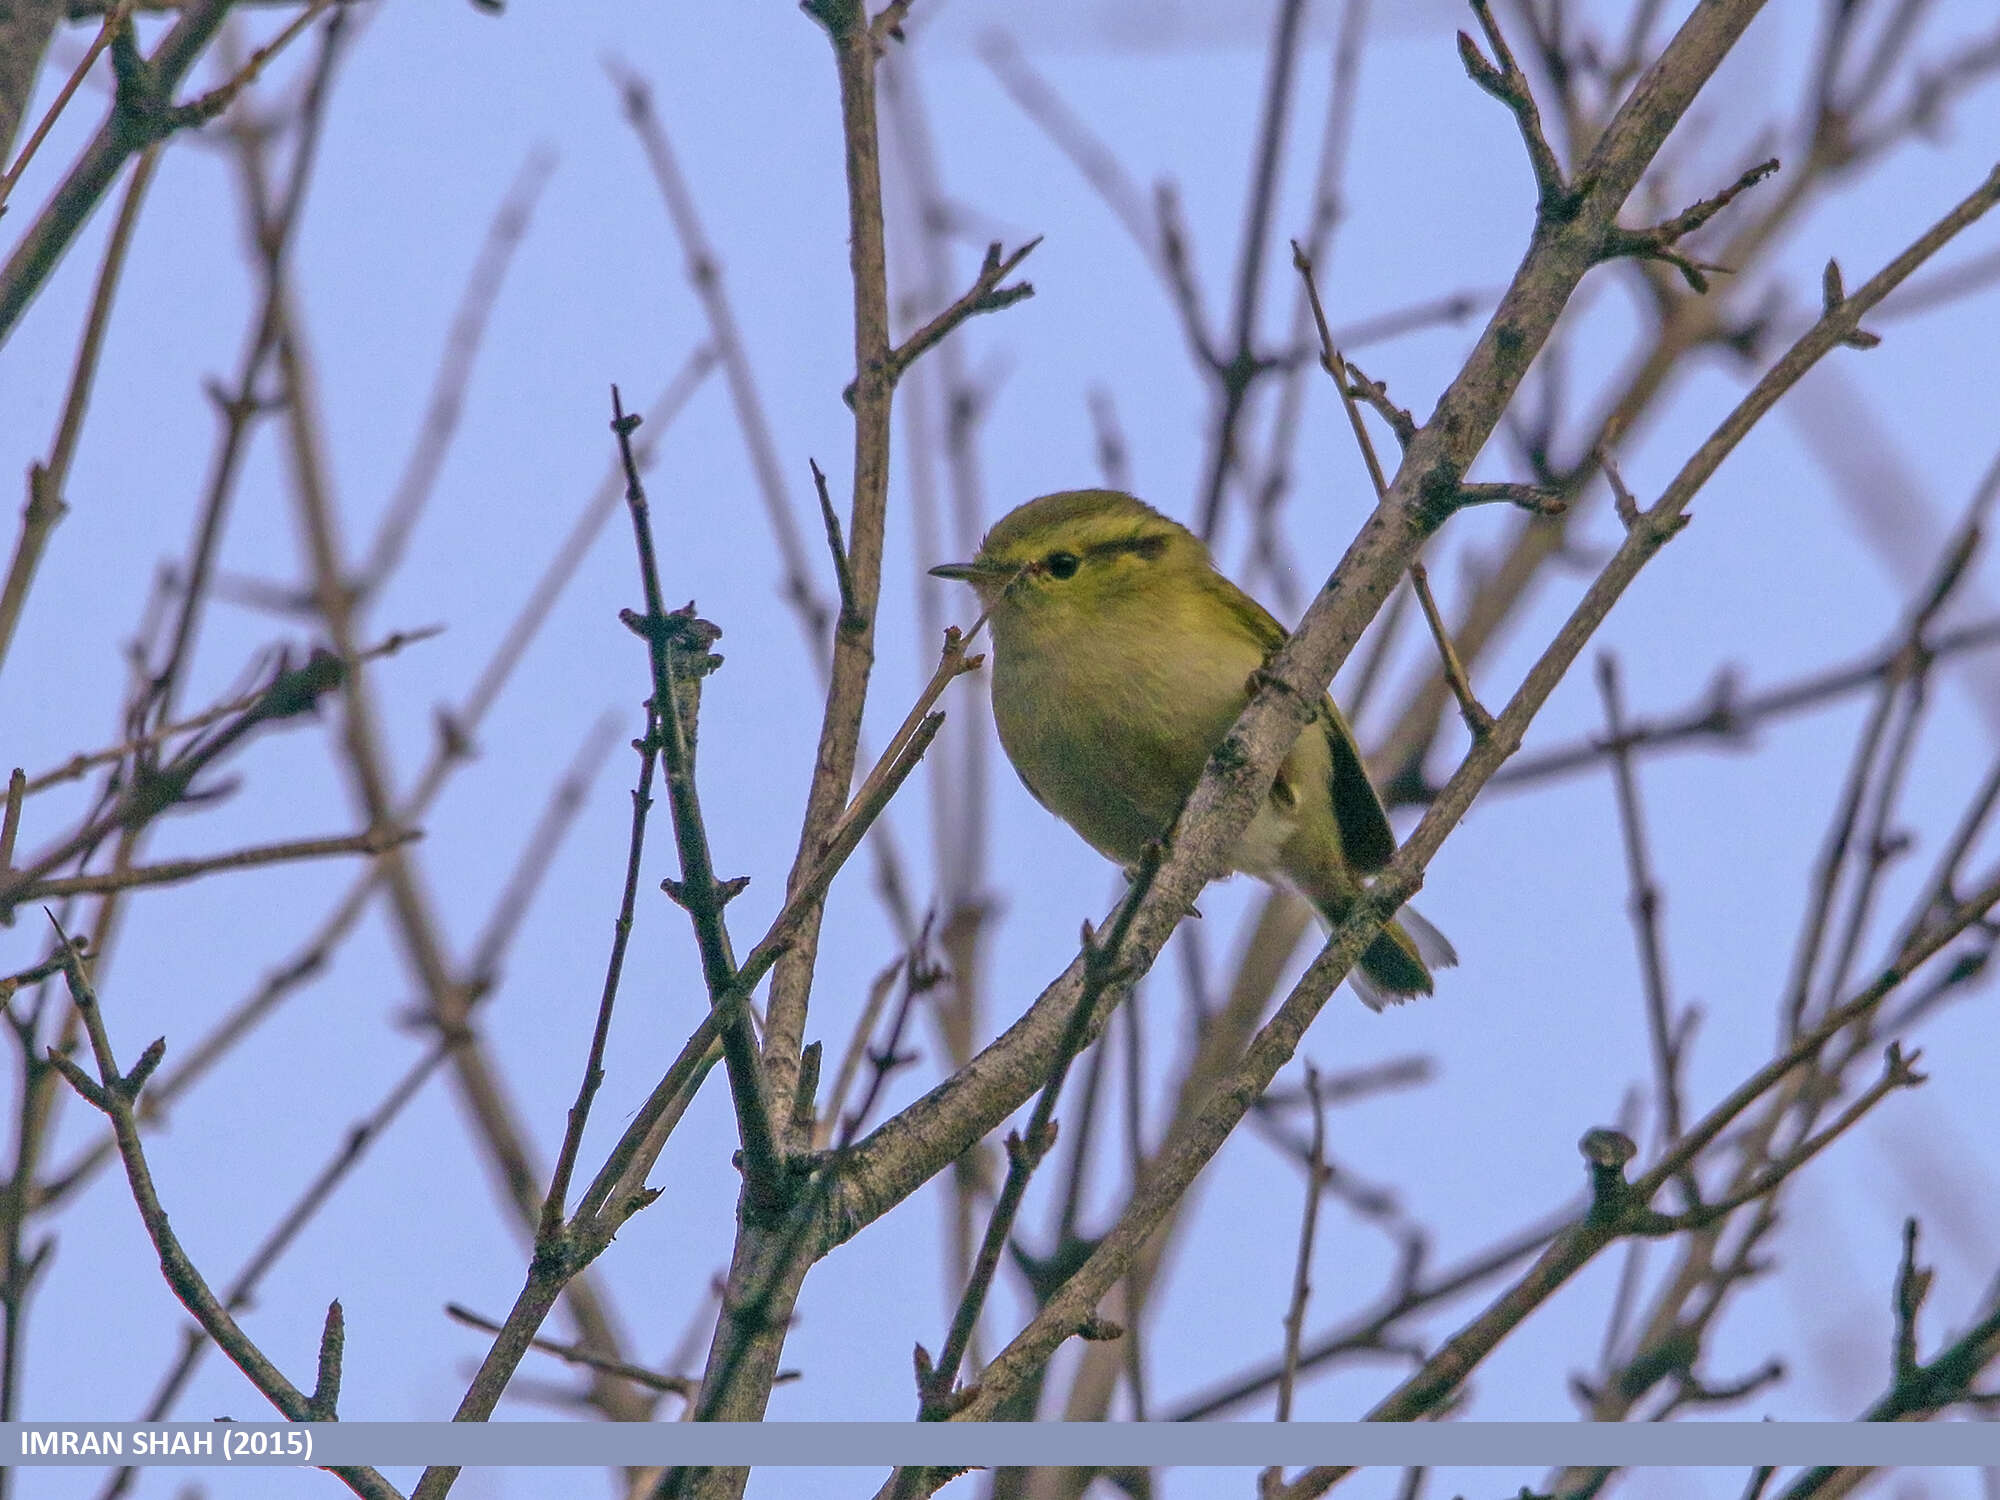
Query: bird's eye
(1061, 564)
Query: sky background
(1538, 1036)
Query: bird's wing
(1367, 841)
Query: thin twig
(242, 1290)
(920, 976)
(986, 294)
(1295, 1315)
(1478, 722)
(113, 1093)
(274, 223)
(1275, 483)
(372, 841)
(1370, 1333)
(697, 890)
(142, 114)
(454, 374)
(1661, 1023)
(116, 18)
(48, 481)
(1727, 716)
(905, 748)
(1091, 157)
(458, 726)
(652, 1380)
(704, 271)
(851, 617)
(857, 1050)
(81, 763)
(937, 1383)
(1658, 242)
(207, 106)
(1236, 372)
(553, 1206)
(10, 820)
(1507, 83)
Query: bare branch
(114, 1093)
(652, 1380)
(1658, 243)
(1295, 1315)
(1662, 1025)
(851, 617)
(986, 294)
(142, 114)
(678, 647)
(1507, 83)
(172, 872)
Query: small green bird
(1120, 659)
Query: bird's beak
(972, 572)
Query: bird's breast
(1110, 727)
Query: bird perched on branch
(1121, 658)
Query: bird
(1121, 657)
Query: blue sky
(1538, 1036)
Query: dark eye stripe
(1147, 546)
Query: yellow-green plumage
(1120, 659)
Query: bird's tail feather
(1397, 965)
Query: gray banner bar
(986, 1444)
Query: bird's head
(1075, 554)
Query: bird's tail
(1397, 965)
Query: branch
(114, 1093)
(461, 349)
(1398, 881)
(10, 820)
(553, 1206)
(1727, 716)
(1478, 721)
(704, 270)
(1898, 1072)
(143, 112)
(937, 1384)
(919, 977)
(444, 989)
(1235, 375)
(652, 1380)
(25, 33)
(1662, 1024)
(885, 1168)
(457, 727)
(77, 765)
(1091, 157)
(242, 1290)
(47, 481)
(678, 647)
(1554, 199)
(1658, 242)
(905, 748)
(1358, 386)
(851, 617)
(1295, 1315)
(985, 295)
(172, 872)
(1918, 1391)
(1369, 1332)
